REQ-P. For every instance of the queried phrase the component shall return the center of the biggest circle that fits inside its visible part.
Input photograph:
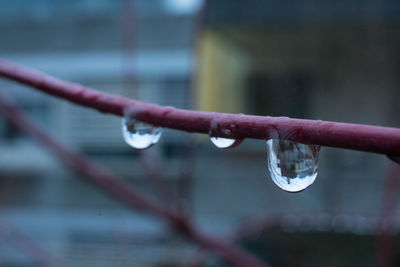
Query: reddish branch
(245, 230)
(387, 222)
(152, 167)
(122, 191)
(376, 139)
(39, 255)
(385, 225)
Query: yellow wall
(221, 75)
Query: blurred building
(328, 60)
(89, 42)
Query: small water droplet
(292, 166)
(225, 142)
(140, 135)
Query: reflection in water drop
(225, 142)
(292, 166)
(140, 135)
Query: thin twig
(123, 192)
(387, 222)
(153, 171)
(328, 222)
(244, 230)
(29, 246)
(384, 140)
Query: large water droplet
(140, 135)
(292, 166)
(225, 142)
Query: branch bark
(123, 192)
(384, 140)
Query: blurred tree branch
(38, 254)
(123, 192)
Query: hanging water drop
(140, 135)
(292, 166)
(225, 142)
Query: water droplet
(225, 142)
(140, 135)
(292, 166)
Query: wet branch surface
(377, 139)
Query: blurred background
(327, 60)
